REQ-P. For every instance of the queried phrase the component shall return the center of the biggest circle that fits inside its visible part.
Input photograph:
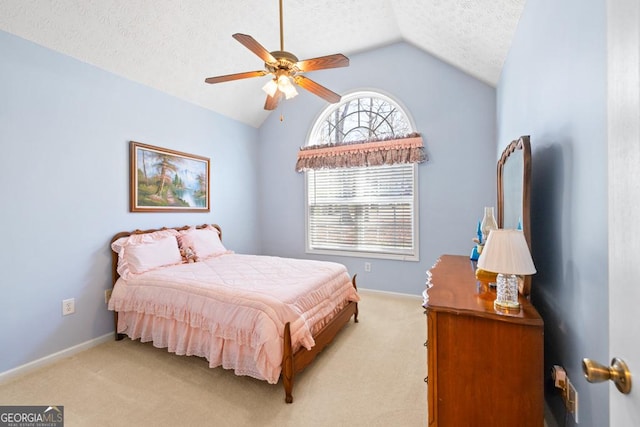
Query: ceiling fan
(286, 69)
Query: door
(623, 31)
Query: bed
(261, 316)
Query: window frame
(313, 132)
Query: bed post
(287, 364)
(353, 282)
(114, 278)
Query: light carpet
(371, 375)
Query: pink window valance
(409, 149)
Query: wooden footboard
(293, 363)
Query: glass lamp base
(507, 292)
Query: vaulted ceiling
(173, 45)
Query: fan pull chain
(281, 108)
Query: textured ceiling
(172, 45)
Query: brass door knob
(618, 372)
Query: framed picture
(163, 180)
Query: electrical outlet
(572, 400)
(567, 390)
(68, 306)
(367, 267)
(107, 295)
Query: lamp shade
(506, 252)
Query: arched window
(367, 210)
(361, 116)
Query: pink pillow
(144, 252)
(205, 242)
(149, 256)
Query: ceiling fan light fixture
(271, 87)
(285, 70)
(286, 87)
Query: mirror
(514, 193)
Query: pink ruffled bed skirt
(180, 338)
(263, 363)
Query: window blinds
(365, 209)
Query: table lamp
(506, 252)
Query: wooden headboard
(114, 256)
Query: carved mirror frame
(514, 193)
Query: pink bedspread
(232, 308)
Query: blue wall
(553, 87)
(64, 132)
(455, 114)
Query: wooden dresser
(485, 367)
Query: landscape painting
(165, 180)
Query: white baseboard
(47, 360)
(395, 294)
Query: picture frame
(164, 180)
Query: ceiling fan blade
(330, 61)
(272, 101)
(317, 89)
(255, 47)
(236, 76)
